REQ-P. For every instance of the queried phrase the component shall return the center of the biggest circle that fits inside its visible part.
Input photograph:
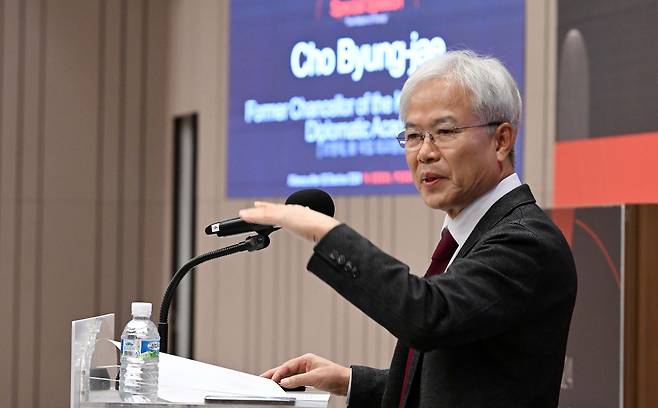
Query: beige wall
(88, 90)
(539, 98)
(83, 208)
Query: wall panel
(131, 159)
(64, 184)
(69, 182)
(8, 204)
(6, 297)
(28, 225)
(157, 158)
(110, 62)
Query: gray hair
(496, 97)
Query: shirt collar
(464, 223)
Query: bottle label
(144, 349)
(150, 349)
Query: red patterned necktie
(440, 258)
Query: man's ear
(505, 138)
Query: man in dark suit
(487, 325)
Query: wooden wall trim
(630, 306)
(641, 307)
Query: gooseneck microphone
(312, 198)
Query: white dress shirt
(464, 223)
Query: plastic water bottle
(140, 354)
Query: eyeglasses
(412, 139)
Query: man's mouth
(429, 179)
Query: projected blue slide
(314, 86)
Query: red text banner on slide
(607, 170)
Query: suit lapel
(507, 203)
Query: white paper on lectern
(187, 381)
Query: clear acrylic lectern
(94, 371)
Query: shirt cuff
(349, 389)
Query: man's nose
(429, 152)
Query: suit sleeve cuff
(336, 249)
(368, 386)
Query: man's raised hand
(303, 221)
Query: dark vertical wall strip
(173, 315)
(20, 102)
(41, 157)
(182, 125)
(100, 134)
(192, 279)
(178, 124)
(119, 307)
(142, 149)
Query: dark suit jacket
(491, 331)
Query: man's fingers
(300, 379)
(257, 215)
(311, 370)
(287, 369)
(303, 221)
(291, 367)
(269, 373)
(262, 213)
(281, 372)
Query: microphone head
(315, 199)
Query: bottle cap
(141, 309)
